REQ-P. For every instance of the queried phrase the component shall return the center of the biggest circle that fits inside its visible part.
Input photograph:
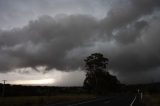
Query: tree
(98, 78)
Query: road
(120, 100)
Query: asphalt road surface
(119, 100)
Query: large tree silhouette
(98, 78)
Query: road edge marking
(133, 101)
(87, 102)
(141, 95)
(106, 102)
(67, 102)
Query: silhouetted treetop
(98, 78)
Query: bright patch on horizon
(34, 82)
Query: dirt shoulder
(152, 99)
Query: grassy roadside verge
(152, 99)
(41, 100)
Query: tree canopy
(98, 78)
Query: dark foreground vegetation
(19, 90)
(18, 95)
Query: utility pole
(108, 66)
(3, 89)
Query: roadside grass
(152, 99)
(41, 100)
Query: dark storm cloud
(23, 10)
(127, 24)
(125, 12)
(46, 41)
(128, 35)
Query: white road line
(133, 101)
(85, 102)
(82, 103)
(106, 102)
(141, 95)
(54, 104)
(59, 103)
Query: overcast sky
(49, 39)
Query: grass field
(41, 100)
(152, 99)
